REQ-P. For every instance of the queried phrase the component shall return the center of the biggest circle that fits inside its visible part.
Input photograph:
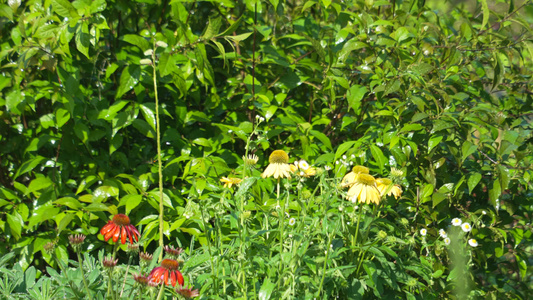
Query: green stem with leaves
(159, 162)
(80, 264)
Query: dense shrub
(99, 100)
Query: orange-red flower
(167, 270)
(120, 226)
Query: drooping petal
(107, 227)
(116, 233)
(180, 278)
(110, 233)
(123, 234)
(173, 278)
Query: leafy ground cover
(266, 149)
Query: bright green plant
(141, 107)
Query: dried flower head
(76, 241)
(140, 279)
(49, 248)
(187, 292)
(109, 262)
(173, 252)
(133, 248)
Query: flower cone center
(279, 157)
(366, 179)
(360, 169)
(383, 181)
(121, 220)
(169, 264)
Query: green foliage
(445, 96)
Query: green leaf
(63, 8)
(354, 95)
(137, 40)
(15, 223)
(467, 149)
(486, 13)
(130, 201)
(29, 165)
(322, 138)
(213, 26)
(128, 79)
(499, 72)
(62, 116)
(83, 39)
(433, 142)
(343, 148)
(473, 180)
(411, 127)
(64, 222)
(149, 115)
(266, 289)
(378, 156)
(504, 176)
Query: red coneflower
(168, 268)
(120, 226)
(188, 293)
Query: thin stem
(80, 264)
(159, 162)
(357, 227)
(126, 275)
(324, 267)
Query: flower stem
(160, 163)
(324, 267)
(80, 263)
(125, 276)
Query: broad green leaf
(67, 218)
(29, 165)
(354, 95)
(62, 116)
(266, 289)
(63, 8)
(137, 40)
(411, 127)
(473, 181)
(467, 149)
(433, 142)
(486, 13)
(149, 115)
(213, 26)
(167, 64)
(378, 156)
(128, 79)
(504, 176)
(70, 202)
(15, 222)
(83, 39)
(343, 148)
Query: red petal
(166, 277)
(116, 234)
(180, 278)
(109, 233)
(106, 228)
(173, 278)
(123, 235)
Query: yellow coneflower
(350, 178)
(230, 181)
(383, 185)
(279, 165)
(364, 190)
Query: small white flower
(352, 156)
(262, 119)
(337, 162)
(484, 212)
(292, 221)
(447, 241)
(278, 207)
(341, 208)
(327, 168)
(466, 227)
(303, 165)
(356, 207)
(344, 157)
(473, 242)
(442, 233)
(423, 231)
(456, 222)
